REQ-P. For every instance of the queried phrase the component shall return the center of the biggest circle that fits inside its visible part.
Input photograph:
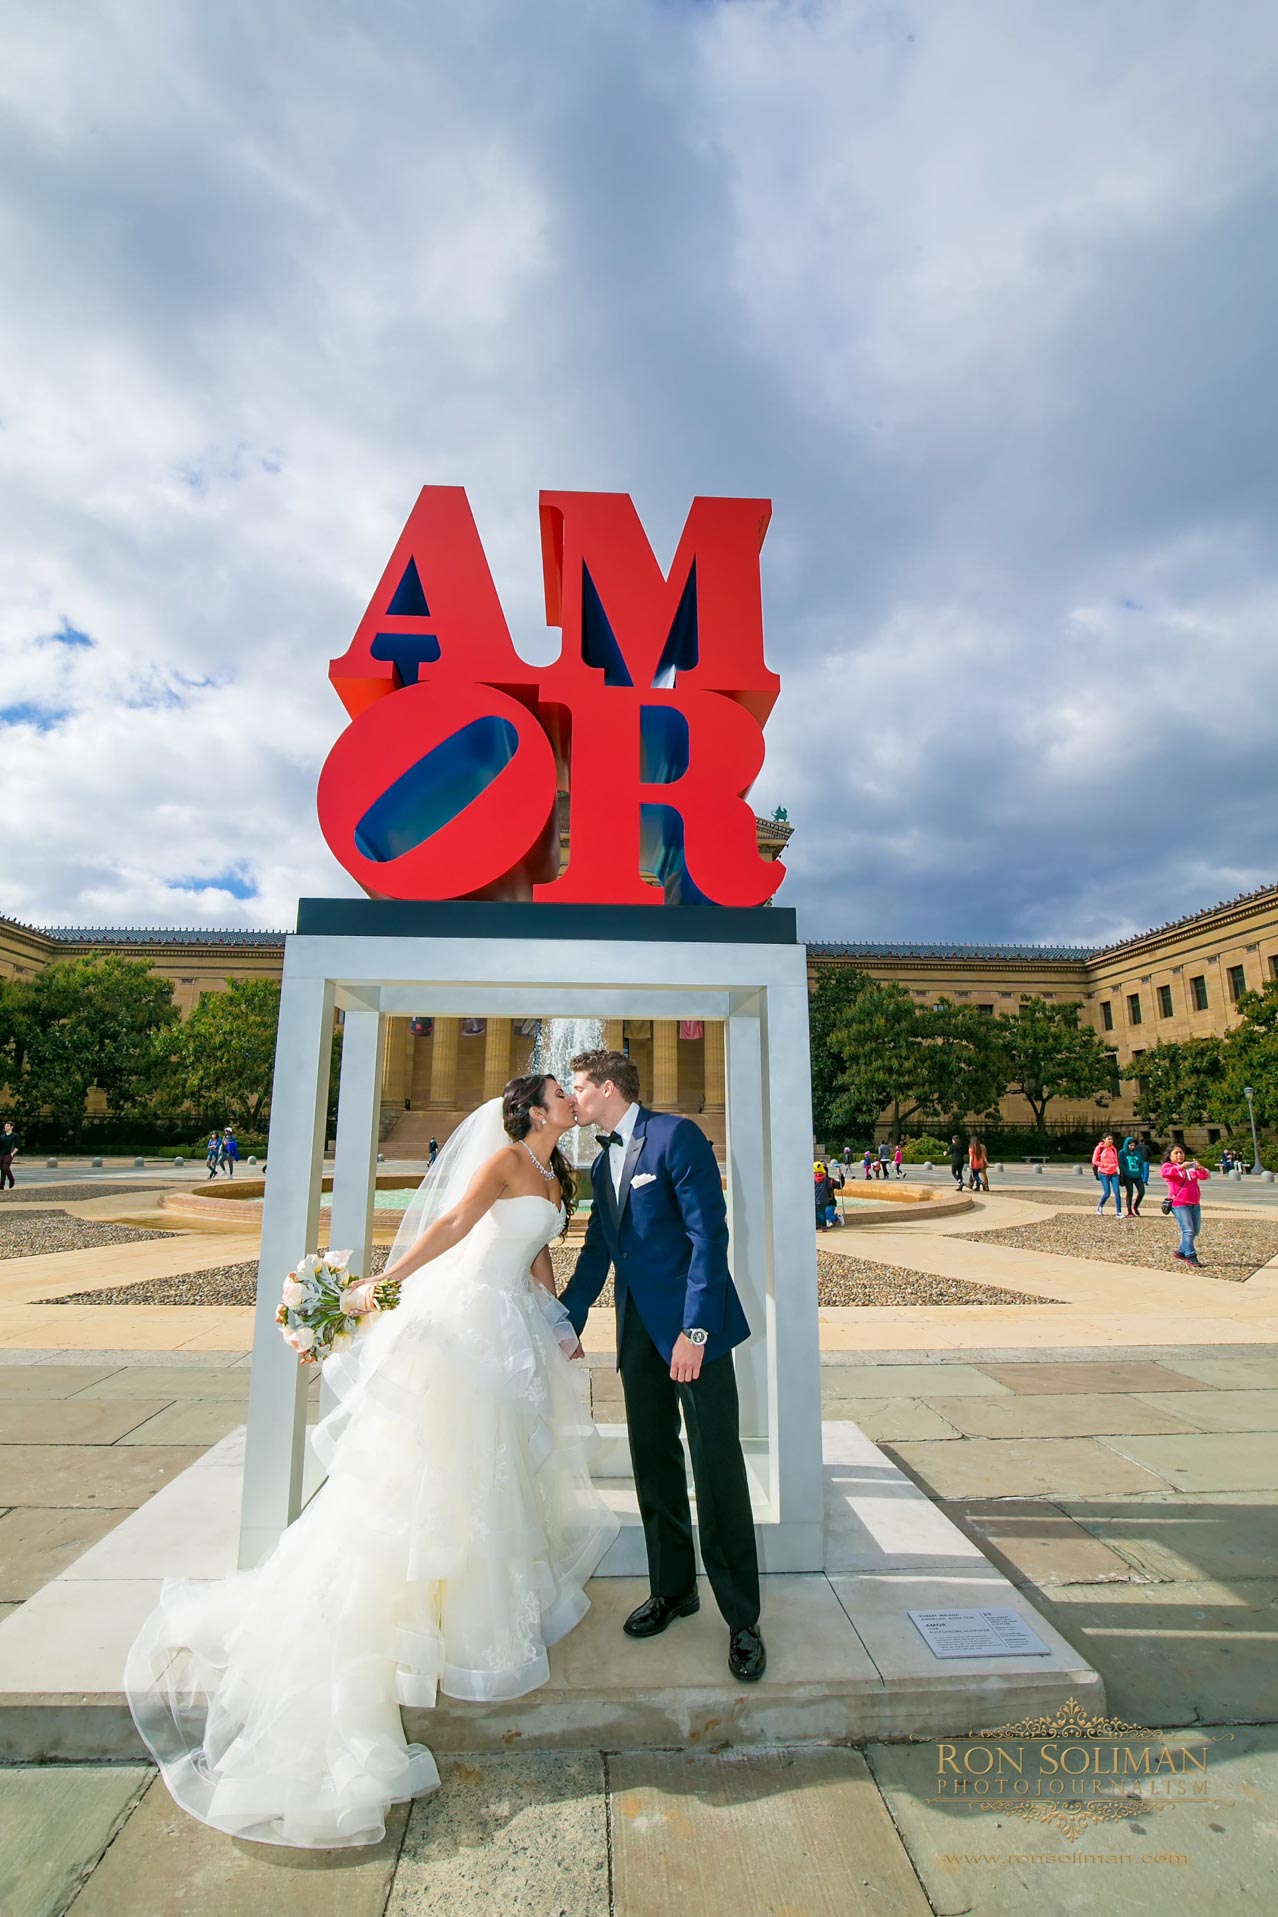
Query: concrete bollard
(179, 1161)
(928, 1165)
(1266, 1178)
(1079, 1170)
(1038, 1169)
(381, 1159)
(252, 1161)
(51, 1164)
(998, 1168)
(1236, 1175)
(97, 1164)
(138, 1164)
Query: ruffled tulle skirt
(446, 1552)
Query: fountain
(557, 1044)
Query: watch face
(696, 1337)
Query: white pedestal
(557, 962)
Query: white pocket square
(643, 1178)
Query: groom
(659, 1220)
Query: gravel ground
(34, 1231)
(72, 1194)
(1083, 1197)
(1230, 1247)
(840, 1281)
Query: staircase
(410, 1135)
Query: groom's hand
(685, 1360)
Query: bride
(450, 1544)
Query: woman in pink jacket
(1105, 1166)
(1183, 1182)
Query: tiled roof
(1173, 925)
(154, 935)
(880, 949)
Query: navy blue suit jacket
(666, 1239)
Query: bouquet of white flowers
(313, 1317)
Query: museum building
(1180, 980)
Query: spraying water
(558, 1042)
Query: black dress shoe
(655, 1613)
(747, 1658)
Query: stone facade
(1180, 980)
(1177, 981)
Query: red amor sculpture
(445, 784)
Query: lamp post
(1250, 1097)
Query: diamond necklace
(545, 1171)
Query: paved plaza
(1111, 1453)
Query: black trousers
(711, 1417)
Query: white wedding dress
(448, 1549)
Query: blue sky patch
(236, 882)
(28, 713)
(67, 635)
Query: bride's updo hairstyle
(517, 1103)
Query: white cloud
(983, 297)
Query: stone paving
(1129, 1489)
(1169, 1588)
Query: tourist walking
(433, 1149)
(867, 1162)
(885, 1158)
(978, 1165)
(230, 1151)
(1184, 1181)
(847, 1155)
(10, 1146)
(1133, 1170)
(823, 1194)
(898, 1159)
(958, 1160)
(213, 1153)
(1105, 1166)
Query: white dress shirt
(624, 1128)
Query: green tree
(968, 1061)
(222, 1059)
(15, 1033)
(910, 1058)
(835, 992)
(88, 1022)
(1178, 1083)
(1251, 1058)
(1051, 1054)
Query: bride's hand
(359, 1299)
(578, 1353)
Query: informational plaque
(978, 1634)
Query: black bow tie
(608, 1138)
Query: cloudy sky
(982, 293)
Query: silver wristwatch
(696, 1336)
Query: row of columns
(497, 1061)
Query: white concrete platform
(845, 1663)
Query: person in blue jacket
(659, 1222)
(1133, 1170)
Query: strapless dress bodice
(516, 1229)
